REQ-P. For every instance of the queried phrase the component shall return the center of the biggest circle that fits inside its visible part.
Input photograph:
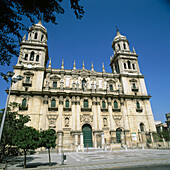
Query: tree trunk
(25, 158)
(49, 157)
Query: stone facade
(84, 107)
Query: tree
(12, 13)
(26, 138)
(47, 140)
(13, 123)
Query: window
(83, 84)
(86, 104)
(32, 56)
(37, 58)
(54, 84)
(35, 36)
(103, 104)
(129, 65)
(67, 103)
(124, 45)
(133, 65)
(125, 66)
(111, 87)
(27, 80)
(137, 105)
(53, 103)
(26, 57)
(141, 127)
(24, 103)
(134, 86)
(115, 104)
(42, 36)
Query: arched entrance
(87, 135)
(118, 135)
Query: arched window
(124, 45)
(125, 66)
(129, 65)
(42, 36)
(134, 86)
(137, 105)
(133, 65)
(103, 104)
(24, 103)
(86, 105)
(54, 84)
(111, 87)
(141, 127)
(115, 104)
(35, 35)
(32, 56)
(83, 84)
(26, 57)
(53, 103)
(37, 58)
(67, 103)
(118, 46)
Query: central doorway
(87, 135)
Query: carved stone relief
(117, 119)
(52, 120)
(86, 118)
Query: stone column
(125, 120)
(95, 140)
(76, 142)
(43, 114)
(73, 113)
(103, 143)
(60, 111)
(81, 142)
(94, 112)
(60, 141)
(98, 113)
(110, 113)
(78, 113)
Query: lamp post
(7, 76)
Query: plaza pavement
(144, 159)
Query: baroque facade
(86, 108)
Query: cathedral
(86, 108)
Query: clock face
(29, 66)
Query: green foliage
(26, 138)
(13, 122)
(12, 14)
(48, 138)
(166, 135)
(157, 137)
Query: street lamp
(7, 76)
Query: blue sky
(146, 24)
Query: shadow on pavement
(35, 165)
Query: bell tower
(34, 49)
(124, 61)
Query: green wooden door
(87, 136)
(118, 135)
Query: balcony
(27, 83)
(67, 109)
(139, 109)
(135, 89)
(84, 109)
(116, 110)
(104, 109)
(52, 108)
(23, 107)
